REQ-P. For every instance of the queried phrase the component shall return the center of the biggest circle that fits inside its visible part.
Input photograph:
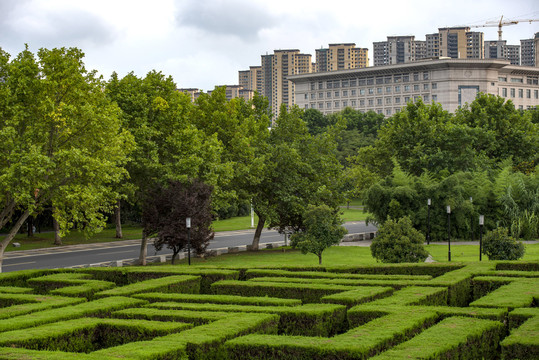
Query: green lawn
(341, 255)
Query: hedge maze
(428, 311)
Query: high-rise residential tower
(341, 57)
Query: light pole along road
(59, 257)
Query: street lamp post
(471, 220)
(449, 232)
(428, 220)
(188, 225)
(481, 223)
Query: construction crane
(502, 22)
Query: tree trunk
(30, 226)
(320, 259)
(5, 242)
(258, 232)
(118, 221)
(57, 237)
(143, 249)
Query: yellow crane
(503, 22)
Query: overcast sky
(203, 43)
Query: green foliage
(61, 142)
(498, 245)
(323, 228)
(398, 241)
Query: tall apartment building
(276, 68)
(398, 50)
(528, 51)
(497, 49)
(341, 57)
(386, 89)
(251, 79)
(456, 43)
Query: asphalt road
(77, 255)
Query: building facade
(528, 51)
(498, 49)
(251, 79)
(386, 89)
(398, 50)
(341, 57)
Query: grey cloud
(70, 27)
(241, 19)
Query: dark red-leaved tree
(165, 210)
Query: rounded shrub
(498, 245)
(398, 241)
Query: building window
(502, 79)
(388, 111)
(329, 85)
(328, 94)
(378, 101)
(434, 98)
(336, 94)
(313, 96)
(512, 93)
(371, 91)
(353, 83)
(434, 86)
(517, 80)
(361, 102)
(345, 83)
(320, 85)
(320, 105)
(379, 112)
(405, 78)
(312, 106)
(416, 76)
(378, 90)
(344, 103)
(336, 84)
(371, 102)
(306, 96)
(362, 82)
(397, 78)
(388, 101)
(528, 94)
(426, 98)
(425, 86)
(328, 105)
(397, 100)
(321, 95)
(306, 106)
(416, 87)
(361, 91)
(425, 75)
(388, 89)
(406, 99)
(536, 94)
(336, 104)
(354, 92)
(312, 86)
(354, 103)
(345, 93)
(504, 92)
(406, 87)
(397, 88)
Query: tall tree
(169, 145)
(299, 169)
(61, 142)
(165, 211)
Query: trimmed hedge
(518, 265)
(452, 338)
(88, 334)
(254, 273)
(176, 283)
(69, 284)
(431, 269)
(188, 316)
(358, 343)
(101, 307)
(523, 342)
(415, 295)
(358, 296)
(306, 320)
(520, 292)
(14, 290)
(202, 342)
(308, 293)
(218, 299)
(518, 316)
(19, 304)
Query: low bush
(498, 245)
(398, 242)
(523, 342)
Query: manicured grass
(471, 252)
